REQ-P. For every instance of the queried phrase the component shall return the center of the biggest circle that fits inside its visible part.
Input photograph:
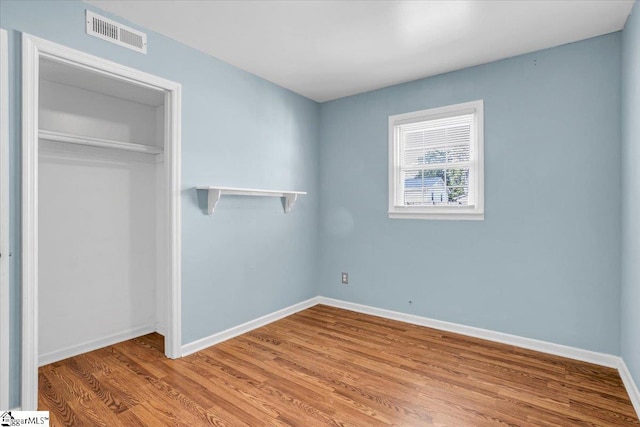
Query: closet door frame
(4, 220)
(33, 49)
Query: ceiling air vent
(114, 32)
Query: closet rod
(97, 142)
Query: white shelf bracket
(289, 201)
(213, 197)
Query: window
(436, 163)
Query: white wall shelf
(50, 135)
(214, 194)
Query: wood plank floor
(326, 366)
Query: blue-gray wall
(545, 262)
(631, 194)
(249, 258)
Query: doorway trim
(33, 49)
(5, 263)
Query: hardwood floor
(327, 366)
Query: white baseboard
(589, 356)
(161, 329)
(630, 385)
(54, 356)
(602, 359)
(219, 337)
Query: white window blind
(435, 165)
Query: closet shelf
(97, 142)
(214, 194)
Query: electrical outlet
(345, 278)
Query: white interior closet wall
(101, 242)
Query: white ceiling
(329, 49)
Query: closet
(101, 210)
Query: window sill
(434, 215)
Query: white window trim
(475, 212)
